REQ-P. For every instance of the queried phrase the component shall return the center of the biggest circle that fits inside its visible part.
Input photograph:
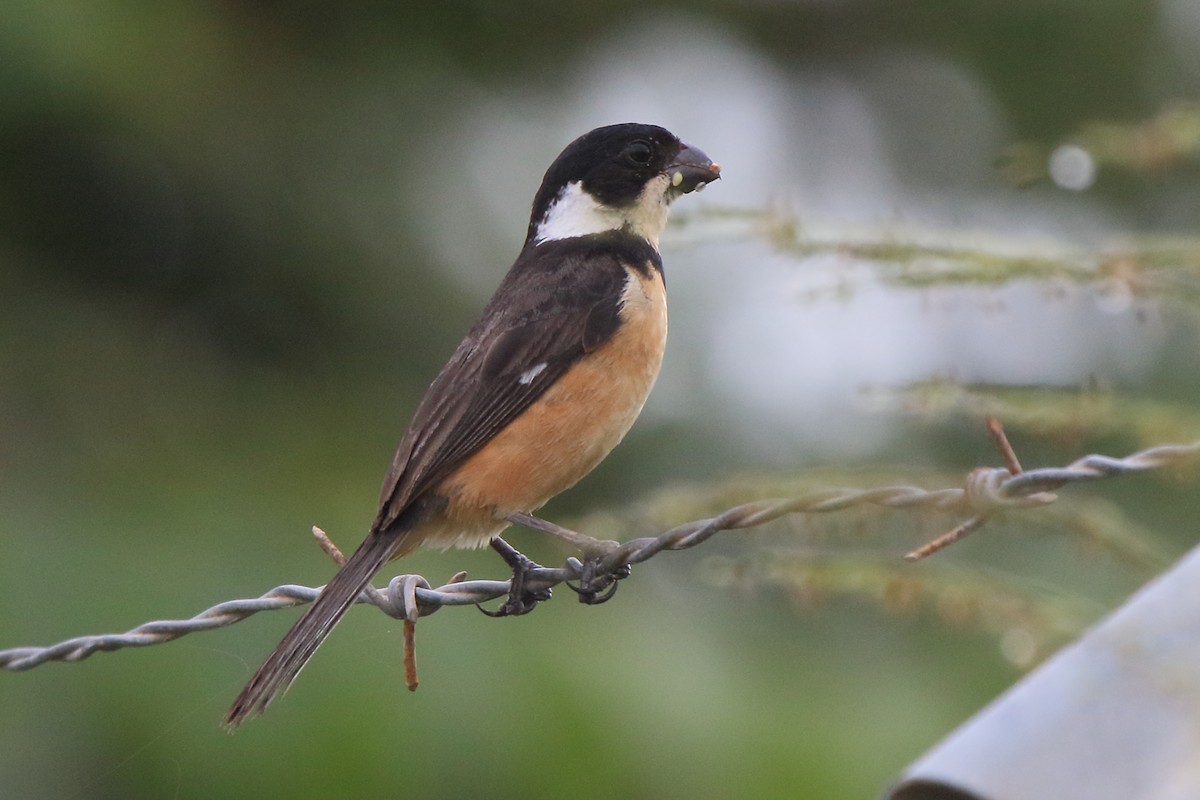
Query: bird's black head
(617, 177)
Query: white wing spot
(528, 375)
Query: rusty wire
(986, 492)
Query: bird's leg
(579, 541)
(597, 583)
(520, 599)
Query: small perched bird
(545, 384)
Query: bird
(543, 386)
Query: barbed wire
(986, 492)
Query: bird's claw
(521, 599)
(516, 605)
(596, 586)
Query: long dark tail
(298, 645)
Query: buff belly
(564, 434)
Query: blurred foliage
(221, 295)
(1158, 146)
(1027, 621)
(1149, 271)
(1067, 416)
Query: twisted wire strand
(987, 490)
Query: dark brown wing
(559, 301)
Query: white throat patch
(576, 213)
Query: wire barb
(987, 491)
(981, 493)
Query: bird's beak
(692, 170)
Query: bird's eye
(639, 152)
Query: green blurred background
(238, 239)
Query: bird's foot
(521, 598)
(596, 584)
